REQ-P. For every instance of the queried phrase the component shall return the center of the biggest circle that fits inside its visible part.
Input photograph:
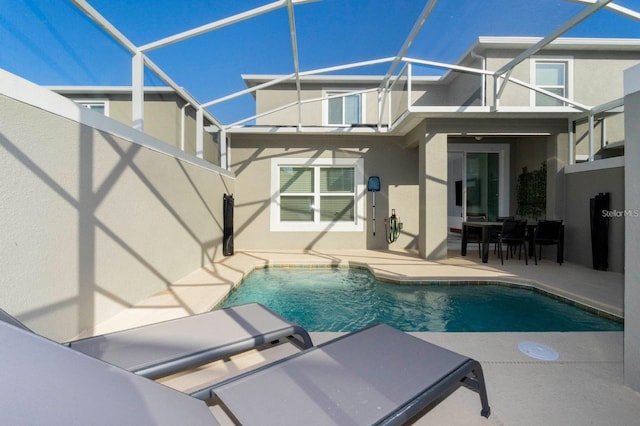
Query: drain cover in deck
(538, 351)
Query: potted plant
(531, 193)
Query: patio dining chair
(494, 235)
(474, 235)
(548, 233)
(514, 235)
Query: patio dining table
(486, 232)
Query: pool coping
(203, 289)
(532, 285)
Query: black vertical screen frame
(227, 227)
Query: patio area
(584, 386)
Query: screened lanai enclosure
(203, 49)
(291, 106)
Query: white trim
(317, 76)
(311, 130)
(632, 80)
(104, 90)
(568, 60)
(503, 150)
(356, 226)
(561, 43)
(29, 93)
(86, 102)
(588, 166)
(330, 93)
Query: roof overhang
(411, 119)
(562, 43)
(116, 90)
(252, 80)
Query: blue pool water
(343, 299)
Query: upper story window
(101, 106)
(316, 195)
(343, 110)
(552, 75)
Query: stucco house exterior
(111, 194)
(170, 116)
(299, 174)
(429, 133)
(481, 133)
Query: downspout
(483, 77)
(182, 124)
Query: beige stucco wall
(429, 95)
(273, 98)
(465, 88)
(92, 223)
(612, 128)
(596, 79)
(513, 95)
(597, 76)
(312, 112)
(162, 120)
(580, 188)
(383, 156)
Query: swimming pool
(344, 299)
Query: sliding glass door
(478, 182)
(483, 189)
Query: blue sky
(50, 42)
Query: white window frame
(94, 101)
(328, 92)
(504, 158)
(567, 60)
(317, 225)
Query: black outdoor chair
(513, 234)
(548, 233)
(474, 235)
(494, 235)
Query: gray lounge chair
(42, 382)
(169, 347)
(378, 375)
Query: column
(137, 91)
(632, 228)
(433, 196)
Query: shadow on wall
(126, 200)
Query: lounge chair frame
(169, 347)
(378, 375)
(304, 399)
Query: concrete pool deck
(584, 386)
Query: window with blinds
(317, 194)
(343, 110)
(553, 76)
